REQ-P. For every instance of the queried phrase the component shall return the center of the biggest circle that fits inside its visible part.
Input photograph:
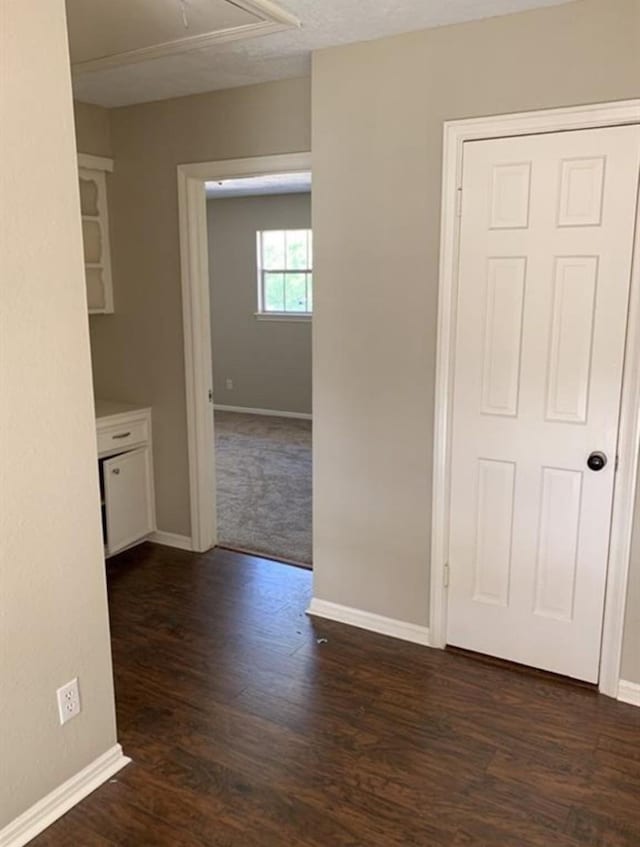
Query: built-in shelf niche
(92, 175)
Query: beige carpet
(263, 479)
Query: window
(285, 272)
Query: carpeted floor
(263, 478)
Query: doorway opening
(247, 283)
(261, 293)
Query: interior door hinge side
(445, 575)
(459, 202)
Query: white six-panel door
(545, 263)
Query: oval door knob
(117, 470)
(596, 461)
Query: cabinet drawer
(122, 436)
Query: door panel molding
(456, 133)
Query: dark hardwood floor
(245, 731)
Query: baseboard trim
(43, 813)
(367, 620)
(274, 413)
(629, 692)
(171, 539)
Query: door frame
(194, 267)
(456, 133)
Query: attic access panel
(108, 33)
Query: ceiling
(132, 51)
(252, 186)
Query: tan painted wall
(53, 610)
(138, 352)
(378, 110)
(269, 361)
(93, 131)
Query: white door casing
(544, 266)
(192, 220)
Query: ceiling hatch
(108, 33)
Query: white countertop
(110, 408)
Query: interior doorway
(261, 288)
(211, 402)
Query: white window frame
(262, 314)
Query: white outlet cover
(68, 701)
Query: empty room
(455, 312)
(261, 296)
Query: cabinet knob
(116, 471)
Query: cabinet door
(128, 497)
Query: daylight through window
(285, 272)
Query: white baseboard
(367, 620)
(629, 692)
(274, 413)
(171, 539)
(43, 813)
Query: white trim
(272, 19)
(285, 317)
(171, 539)
(456, 133)
(367, 620)
(624, 488)
(197, 355)
(192, 216)
(629, 692)
(274, 413)
(95, 163)
(43, 813)
(280, 163)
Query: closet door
(545, 263)
(128, 498)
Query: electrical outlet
(229, 384)
(68, 701)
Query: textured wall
(138, 353)
(269, 361)
(378, 110)
(53, 609)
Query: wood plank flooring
(245, 731)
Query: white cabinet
(92, 180)
(126, 475)
(128, 509)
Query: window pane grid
(285, 271)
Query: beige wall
(138, 352)
(93, 131)
(268, 361)
(378, 110)
(53, 611)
